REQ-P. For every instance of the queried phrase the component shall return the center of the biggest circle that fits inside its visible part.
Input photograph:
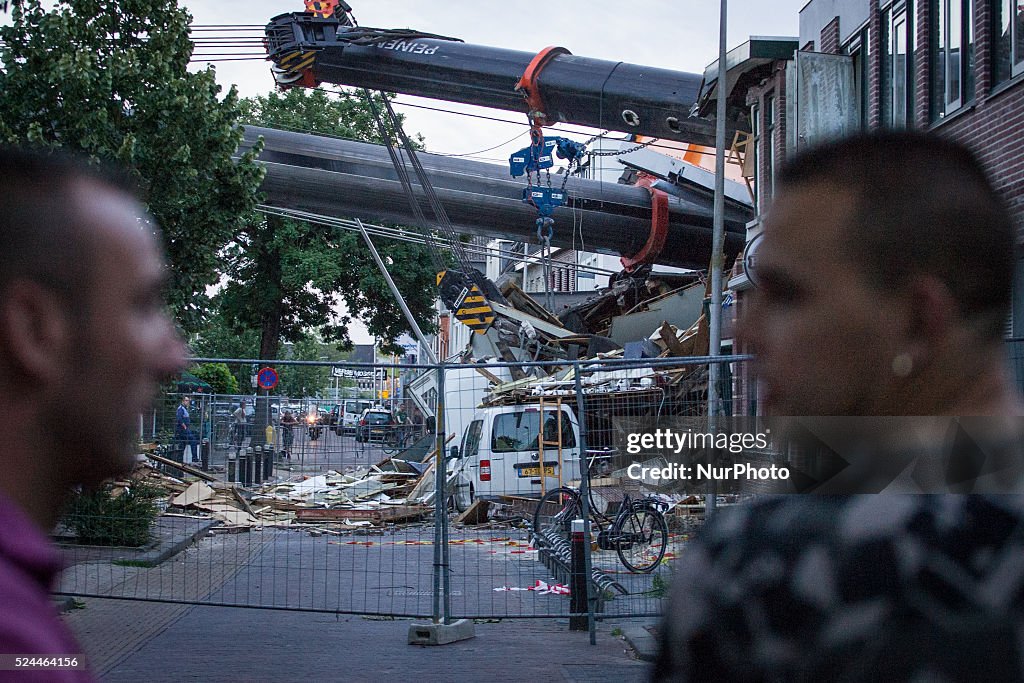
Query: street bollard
(268, 463)
(578, 584)
(257, 465)
(232, 468)
(204, 455)
(245, 467)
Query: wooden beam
(182, 467)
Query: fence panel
(335, 511)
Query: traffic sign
(267, 378)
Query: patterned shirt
(853, 588)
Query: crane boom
(308, 50)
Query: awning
(747, 65)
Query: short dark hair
(922, 204)
(40, 229)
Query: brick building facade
(952, 66)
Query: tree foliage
(287, 276)
(218, 376)
(109, 79)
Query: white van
(350, 411)
(500, 451)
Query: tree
(304, 380)
(218, 376)
(109, 79)
(287, 276)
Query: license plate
(549, 471)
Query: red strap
(531, 88)
(659, 227)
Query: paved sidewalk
(134, 641)
(141, 639)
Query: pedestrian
(185, 439)
(288, 422)
(882, 286)
(84, 343)
(238, 426)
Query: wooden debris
(193, 494)
(377, 515)
(475, 514)
(668, 335)
(241, 499)
(182, 467)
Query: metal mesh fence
(330, 502)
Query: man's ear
(932, 314)
(35, 329)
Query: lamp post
(717, 247)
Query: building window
(1008, 43)
(753, 151)
(859, 49)
(952, 64)
(769, 138)
(897, 68)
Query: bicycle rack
(555, 552)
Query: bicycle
(638, 533)
(397, 440)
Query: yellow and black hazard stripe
(296, 61)
(474, 311)
(471, 307)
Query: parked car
(351, 410)
(375, 424)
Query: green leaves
(109, 79)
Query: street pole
(717, 247)
(394, 290)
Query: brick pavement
(135, 641)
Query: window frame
(859, 48)
(1015, 67)
(900, 24)
(941, 34)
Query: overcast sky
(680, 35)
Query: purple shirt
(29, 621)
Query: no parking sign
(266, 378)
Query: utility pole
(717, 247)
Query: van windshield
(356, 406)
(518, 431)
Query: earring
(902, 365)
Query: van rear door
(516, 446)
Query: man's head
(885, 258)
(84, 335)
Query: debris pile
(392, 491)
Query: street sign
(267, 378)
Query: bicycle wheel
(555, 512)
(391, 444)
(640, 537)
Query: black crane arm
(308, 50)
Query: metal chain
(624, 151)
(549, 296)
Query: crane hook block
(545, 199)
(533, 158)
(569, 150)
